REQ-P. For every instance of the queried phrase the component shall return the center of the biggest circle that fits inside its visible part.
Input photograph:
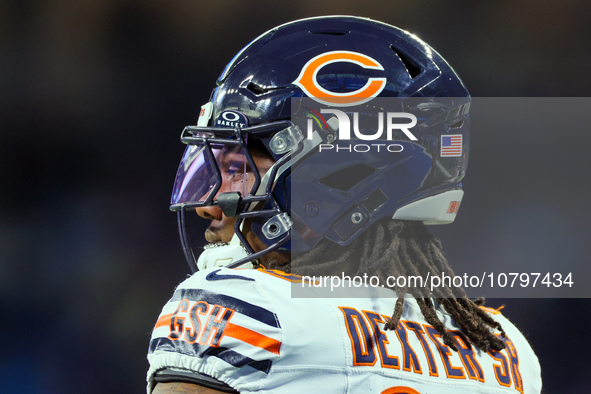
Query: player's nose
(213, 212)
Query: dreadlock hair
(395, 248)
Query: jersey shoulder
(525, 366)
(231, 324)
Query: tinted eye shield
(200, 176)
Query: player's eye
(236, 171)
(235, 166)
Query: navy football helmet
(261, 103)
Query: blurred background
(94, 95)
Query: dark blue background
(94, 95)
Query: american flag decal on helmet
(451, 145)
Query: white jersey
(244, 328)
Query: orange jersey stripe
(164, 320)
(492, 310)
(282, 275)
(293, 278)
(252, 337)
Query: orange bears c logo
(307, 79)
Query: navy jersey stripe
(196, 350)
(256, 312)
(238, 360)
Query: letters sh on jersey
(308, 82)
(370, 343)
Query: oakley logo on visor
(307, 80)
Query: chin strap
(223, 254)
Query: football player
(299, 191)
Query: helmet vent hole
(413, 69)
(457, 125)
(346, 178)
(256, 89)
(330, 32)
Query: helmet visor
(209, 169)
